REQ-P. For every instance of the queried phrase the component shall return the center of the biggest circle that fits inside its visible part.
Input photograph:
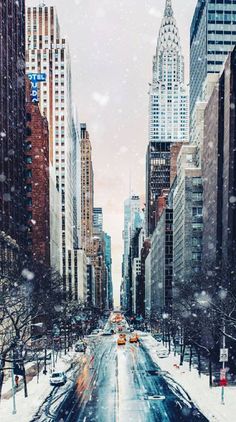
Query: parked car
(162, 353)
(58, 378)
(80, 347)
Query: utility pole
(223, 368)
(13, 386)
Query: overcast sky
(112, 43)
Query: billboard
(36, 78)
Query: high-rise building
(48, 54)
(168, 112)
(108, 262)
(76, 171)
(187, 225)
(87, 191)
(168, 99)
(132, 220)
(212, 36)
(219, 166)
(162, 264)
(12, 130)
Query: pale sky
(112, 43)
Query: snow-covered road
(122, 383)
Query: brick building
(37, 184)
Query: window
(28, 173)
(197, 211)
(28, 159)
(29, 202)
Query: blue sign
(35, 78)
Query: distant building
(132, 221)
(87, 191)
(212, 37)
(108, 262)
(12, 133)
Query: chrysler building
(168, 99)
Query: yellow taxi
(133, 338)
(121, 339)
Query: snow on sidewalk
(207, 399)
(37, 394)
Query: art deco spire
(168, 9)
(168, 43)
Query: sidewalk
(207, 399)
(37, 392)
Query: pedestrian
(17, 381)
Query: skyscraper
(87, 191)
(168, 99)
(212, 36)
(168, 112)
(12, 124)
(131, 222)
(48, 53)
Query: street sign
(224, 355)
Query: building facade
(108, 262)
(37, 184)
(12, 131)
(132, 220)
(48, 55)
(219, 187)
(87, 191)
(168, 113)
(212, 37)
(168, 99)
(187, 222)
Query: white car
(162, 353)
(58, 378)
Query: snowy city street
(117, 211)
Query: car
(58, 378)
(80, 347)
(121, 341)
(123, 335)
(133, 338)
(162, 353)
